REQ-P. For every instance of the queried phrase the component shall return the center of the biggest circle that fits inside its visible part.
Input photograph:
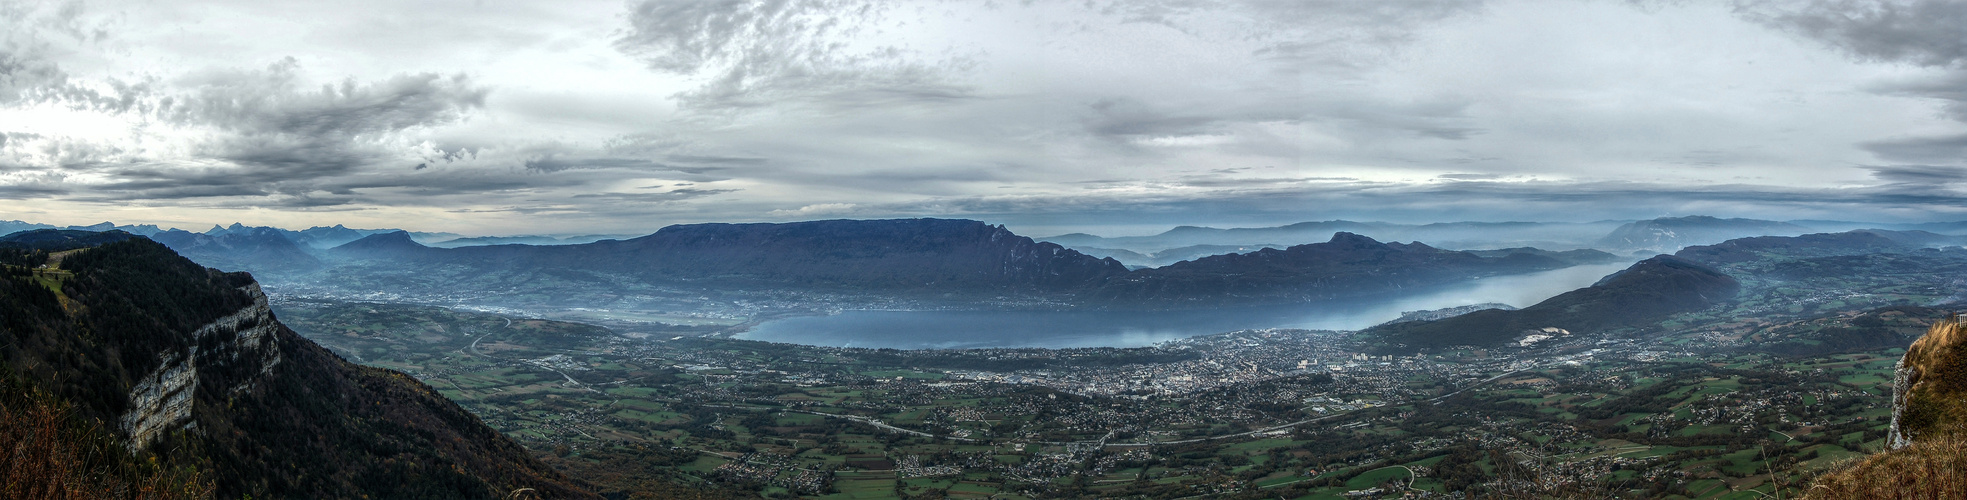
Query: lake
(1063, 329)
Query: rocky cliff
(1926, 447)
(1929, 393)
(190, 370)
(161, 401)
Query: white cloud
(518, 118)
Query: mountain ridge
(1647, 291)
(189, 366)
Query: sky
(494, 117)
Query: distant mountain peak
(387, 245)
(1669, 233)
(391, 238)
(1353, 239)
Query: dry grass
(46, 454)
(1940, 340)
(1929, 469)
(1935, 391)
(1935, 465)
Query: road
(474, 342)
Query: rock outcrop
(1929, 392)
(192, 371)
(162, 399)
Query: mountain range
(1347, 265)
(1690, 280)
(1466, 235)
(1643, 237)
(938, 257)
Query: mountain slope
(1793, 247)
(1669, 233)
(389, 245)
(1448, 234)
(878, 255)
(1574, 257)
(886, 254)
(1646, 292)
(1348, 264)
(61, 239)
(259, 250)
(188, 365)
(922, 259)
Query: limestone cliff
(1926, 455)
(1929, 392)
(161, 400)
(189, 370)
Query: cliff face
(1926, 448)
(1929, 393)
(161, 401)
(189, 367)
(259, 250)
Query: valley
(1754, 394)
(1350, 368)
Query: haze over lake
(1065, 329)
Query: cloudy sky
(1123, 117)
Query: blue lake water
(1061, 329)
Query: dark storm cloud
(1950, 89)
(270, 134)
(26, 70)
(556, 163)
(1576, 201)
(34, 189)
(1940, 149)
(753, 53)
(1130, 118)
(1385, 22)
(1440, 118)
(661, 197)
(1921, 32)
(271, 101)
(23, 73)
(1919, 174)
(1924, 32)
(716, 160)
